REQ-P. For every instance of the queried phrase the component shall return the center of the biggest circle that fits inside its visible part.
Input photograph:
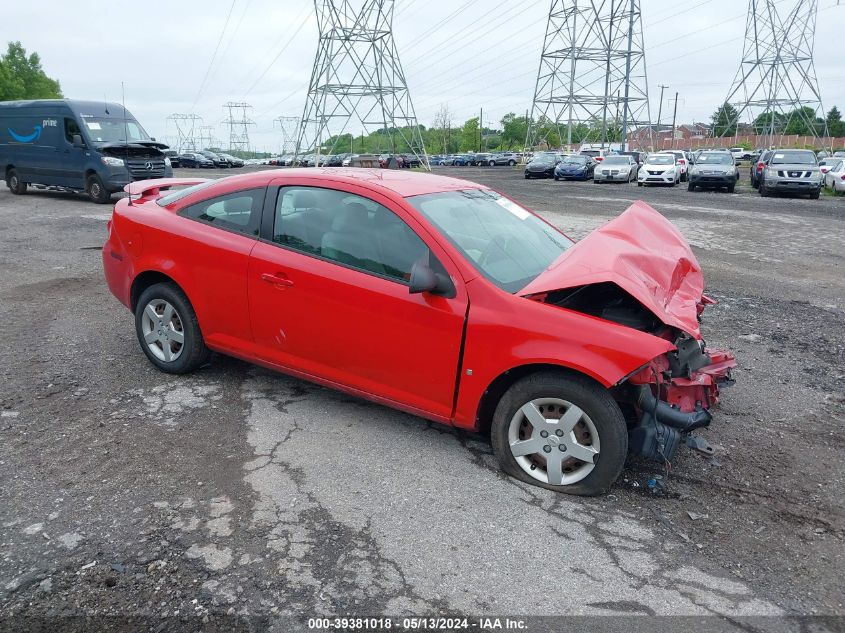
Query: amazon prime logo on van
(36, 132)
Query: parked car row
(205, 159)
(480, 159)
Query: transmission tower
(186, 128)
(205, 138)
(289, 126)
(358, 82)
(592, 83)
(776, 81)
(238, 122)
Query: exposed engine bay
(669, 397)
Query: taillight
(842, 177)
(682, 162)
(760, 166)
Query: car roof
(404, 183)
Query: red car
(436, 296)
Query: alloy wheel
(554, 441)
(163, 331)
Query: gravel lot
(236, 490)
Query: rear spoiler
(151, 188)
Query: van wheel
(97, 190)
(16, 186)
(561, 432)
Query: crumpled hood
(642, 253)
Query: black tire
(492, 163)
(556, 178)
(527, 177)
(193, 352)
(512, 163)
(690, 186)
(96, 190)
(764, 191)
(639, 184)
(731, 188)
(815, 195)
(594, 400)
(14, 182)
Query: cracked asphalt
(236, 491)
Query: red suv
(435, 296)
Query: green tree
(469, 135)
(804, 122)
(835, 125)
(724, 120)
(514, 131)
(22, 77)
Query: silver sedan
(616, 169)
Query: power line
(214, 55)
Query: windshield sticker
(92, 125)
(518, 211)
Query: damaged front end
(638, 271)
(672, 396)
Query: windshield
(661, 159)
(716, 159)
(575, 160)
(114, 130)
(544, 158)
(507, 244)
(794, 158)
(616, 160)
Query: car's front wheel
(168, 329)
(562, 432)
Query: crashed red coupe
(435, 296)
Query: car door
(329, 296)
(208, 249)
(70, 166)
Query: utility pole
(674, 120)
(659, 114)
(480, 127)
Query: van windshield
(103, 131)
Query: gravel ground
(127, 492)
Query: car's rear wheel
(168, 329)
(512, 163)
(561, 432)
(97, 190)
(14, 182)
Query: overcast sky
(484, 56)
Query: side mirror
(77, 140)
(424, 279)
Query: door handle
(277, 280)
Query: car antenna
(126, 133)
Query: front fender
(506, 332)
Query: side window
(71, 128)
(239, 211)
(348, 229)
